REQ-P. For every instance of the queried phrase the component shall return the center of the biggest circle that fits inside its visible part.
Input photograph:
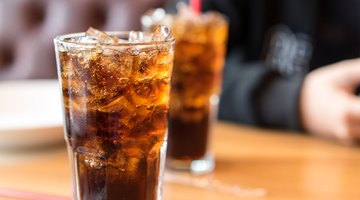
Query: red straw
(196, 6)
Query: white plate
(30, 113)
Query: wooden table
(255, 163)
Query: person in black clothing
(280, 70)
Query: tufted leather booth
(27, 28)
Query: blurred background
(27, 28)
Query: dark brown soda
(196, 81)
(101, 174)
(116, 107)
(188, 140)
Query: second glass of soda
(195, 86)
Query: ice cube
(140, 115)
(154, 151)
(146, 88)
(108, 75)
(126, 160)
(91, 157)
(94, 163)
(135, 151)
(87, 39)
(136, 36)
(101, 37)
(120, 104)
(159, 116)
(133, 164)
(161, 33)
(164, 58)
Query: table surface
(250, 164)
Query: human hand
(328, 105)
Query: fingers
(349, 70)
(354, 130)
(353, 108)
(349, 132)
(328, 105)
(351, 135)
(351, 79)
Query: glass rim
(61, 39)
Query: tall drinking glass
(199, 58)
(115, 89)
(196, 82)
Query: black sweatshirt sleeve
(256, 95)
(252, 92)
(293, 37)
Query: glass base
(200, 166)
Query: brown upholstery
(27, 28)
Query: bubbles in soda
(116, 105)
(199, 58)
